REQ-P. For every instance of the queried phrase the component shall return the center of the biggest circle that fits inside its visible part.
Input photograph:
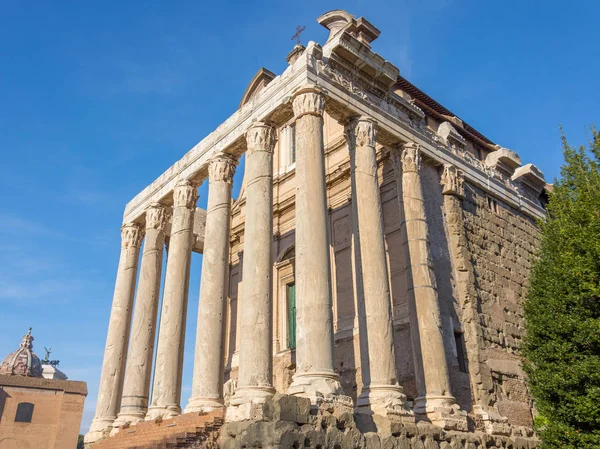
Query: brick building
(37, 412)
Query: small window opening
(291, 295)
(24, 412)
(460, 352)
(492, 205)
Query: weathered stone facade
(374, 263)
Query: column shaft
(256, 339)
(113, 367)
(315, 377)
(134, 404)
(435, 398)
(207, 383)
(381, 392)
(166, 390)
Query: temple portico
(343, 174)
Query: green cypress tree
(562, 309)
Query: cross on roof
(299, 29)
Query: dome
(23, 361)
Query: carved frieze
(185, 195)
(354, 82)
(222, 168)
(131, 235)
(410, 157)
(260, 137)
(452, 181)
(308, 101)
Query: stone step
(180, 431)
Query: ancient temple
(372, 269)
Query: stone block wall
(502, 243)
(289, 422)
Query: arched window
(24, 412)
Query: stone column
(381, 393)
(207, 383)
(115, 354)
(255, 375)
(315, 377)
(134, 404)
(479, 372)
(435, 400)
(166, 391)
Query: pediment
(258, 83)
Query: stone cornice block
(503, 159)
(362, 57)
(529, 176)
(450, 136)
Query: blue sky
(98, 98)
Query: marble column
(166, 390)
(255, 375)
(315, 377)
(207, 383)
(381, 392)
(479, 372)
(435, 400)
(115, 353)
(134, 404)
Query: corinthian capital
(410, 157)
(361, 131)
(131, 235)
(185, 194)
(452, 181)
(222, 168)
(156, 217)
(260, 137)
(308, 100)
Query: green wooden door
(291, 294)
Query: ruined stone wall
(290, 422)
(502, 243)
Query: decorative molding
(308, 101)
(131, 235)
(222, 168)
(411, 157)
(156, 217)
(261, 137)
(185, 195)
(452, 181)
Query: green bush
(562, 310)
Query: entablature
(356, 81)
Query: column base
(320, 387)
(99, 429)
(441, 411)
(491, 422)
(247, 403)
(385, 400)
(126, 419)
(162, 412)
(203, 405)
